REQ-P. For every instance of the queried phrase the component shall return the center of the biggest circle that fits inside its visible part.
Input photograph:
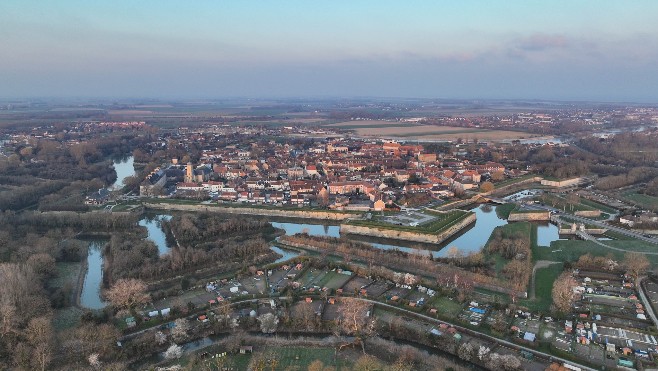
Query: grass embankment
(237, 205)
(650, 202)
(442, 222)
(572, 250)
(503, 211)
(507, 182)
(582, 205)
(288, 358)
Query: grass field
(437, 132)
(446, 306)
(333, 280)
(571, 250)
(544, 279)
(650, 201)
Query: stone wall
(529, 217)
(303, 214)
(562, 183)
(588, 213)
(406, 235)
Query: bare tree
(268, 323)
(179, 332)
(173, 352)
(355, 321)
(563, 294)
(636, 263)
(128, 293)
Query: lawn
(561, 203)
(446, 306)
(544, 279)
(333, 280)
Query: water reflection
(124, 167)
(285, 254)
(311, 229)
(155, 232)
(90, 297)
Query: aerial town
(271, 242)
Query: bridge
(494, 200)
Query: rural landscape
(271, 242)
(328, 186)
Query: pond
(124, 168)
(155, 232)
(90, 297)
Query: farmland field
(410, 130)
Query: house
(246, 349)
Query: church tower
(189, 173)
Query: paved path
(645, 301)
(597, 223)
(539, 265)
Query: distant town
(303, 235)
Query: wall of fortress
(406, 235)
(529, 217)
(304, 214)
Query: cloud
(541, 42)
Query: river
(125, 167)
(90, 297)
(472, 239)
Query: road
(492, 339)
(597, 223)
(645, 301)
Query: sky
(596, 50)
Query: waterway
(155, 232)
(125, 167)
(90, 297)
(472, 239)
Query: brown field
(379, 123)
(440, 133)
(129, 112)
